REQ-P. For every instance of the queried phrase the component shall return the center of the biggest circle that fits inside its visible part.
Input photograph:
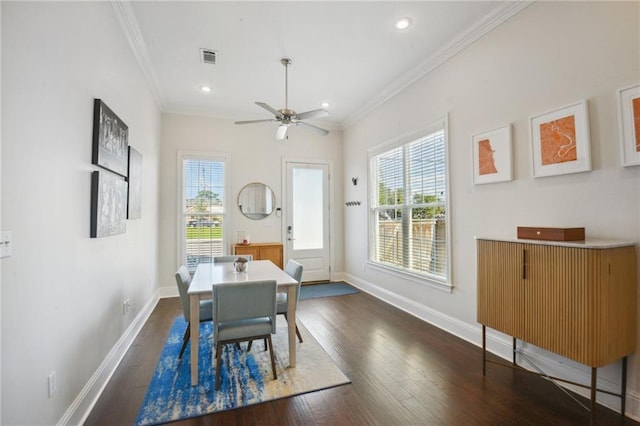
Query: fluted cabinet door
(616, 324)
(500, 301)
(558, 299)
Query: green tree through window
(203, 214)
(408, 203)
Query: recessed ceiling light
(325, 105)
(205, 89)
(403, 23)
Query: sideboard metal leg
(623, 390)
(484, 350)
(594, 382)
(514, 351)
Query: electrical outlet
(126, 305)
(53, 386)
(6, 248)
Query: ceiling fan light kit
(403, 23)
(287, 117)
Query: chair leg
(297, 331)
(185, 340)
(273, 360)
(251, 342)
(218, 364)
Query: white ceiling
(346, 53)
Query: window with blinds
(408, 223)
(203, 213)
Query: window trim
(422, 279)
(180, 229)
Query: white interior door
(307, 218)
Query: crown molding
(129, 23)
(426, 67)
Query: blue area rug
(338, 288)
(246, 377)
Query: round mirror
(256, 201)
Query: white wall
(255, 156)
(550, 55)
(0, 211)
(62, 292)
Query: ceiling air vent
(208, 56)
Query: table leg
(484, 350)
(291, 323)
(195, 336)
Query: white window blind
(408, 223)
(203, 210)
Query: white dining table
(209, 274)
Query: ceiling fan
(288, 117)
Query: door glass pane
(203, 211)
(307, 209)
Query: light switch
(6, 248)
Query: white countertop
(590, 243)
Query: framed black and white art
(134, 181)
(108, 204)
(110, 139)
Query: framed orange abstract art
(629, 123)
(560, 141)
(492, 156)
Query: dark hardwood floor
(403, 372)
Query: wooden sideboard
(576, 299)
(261, 251)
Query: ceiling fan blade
(268, 120)
(312, 114)
(316, 129)
(269, 108)
(281, 133)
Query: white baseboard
(164, 292)
(81, 407)
(501, 345)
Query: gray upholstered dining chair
(243, 311)
(294, 269)
(231, 258)
(183, 279)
